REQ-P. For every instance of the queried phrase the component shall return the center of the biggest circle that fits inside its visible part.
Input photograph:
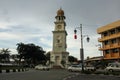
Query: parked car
(90, 68)
(42, 67)
(75, 68)
(113, 67)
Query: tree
(72, 59)
(31, 53)
(48, 56)
(5, 55)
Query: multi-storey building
(110, 39)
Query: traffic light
(75, 36)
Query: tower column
(59, 55)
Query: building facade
(110, 39)
(59, 55)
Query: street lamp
(81, 48)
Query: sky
(32, 21)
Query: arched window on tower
(59, 17)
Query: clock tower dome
(59, 55)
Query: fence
(13, 68)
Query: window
(105, 34)
(106, 42)
(115, 50)
(107, 51)
(112, 31)
(118, 29)
(113, 41)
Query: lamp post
(81, 48)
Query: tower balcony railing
(109, 37)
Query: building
(110, 39)
(59, 55)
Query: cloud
(32, 21)
(5, 36)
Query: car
(42, 67)
(75, 68)
(90, 68)
(113, 67)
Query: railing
(13, 68)
(110, 46)
(112, 55)
(109, 37)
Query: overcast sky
(32, 21)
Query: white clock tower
(59, 55)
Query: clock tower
(59, 55)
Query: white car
(42, 67)
(90, 68)
(113, 67)
(75, 68)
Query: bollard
(0, 68)
(18, 70)
(0, 71)
(22, 69)
(14, 70)
(7, 70)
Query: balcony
(112, 56)
(109, 37)
(107, 56)
(111, 46)
(115, 55)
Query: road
(93, 77)
(53, 74)
(36, 75)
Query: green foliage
(72, 59)
(31, 53)
(4, 55)
(48, 56)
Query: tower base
(59, 59)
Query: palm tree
(5, 55)
(20, 49)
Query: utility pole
(81, 48)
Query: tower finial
(60, 12)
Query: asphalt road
(36, 75)
(53, 74)
(93, 77)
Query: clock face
(59, 26)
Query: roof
(60, 12)
(109, 27)
(95, 58)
